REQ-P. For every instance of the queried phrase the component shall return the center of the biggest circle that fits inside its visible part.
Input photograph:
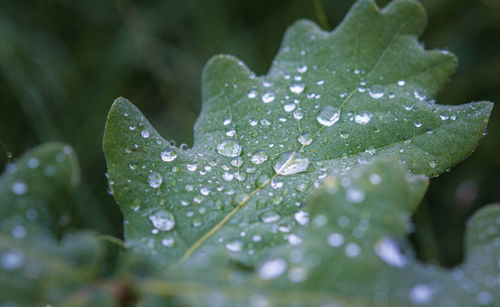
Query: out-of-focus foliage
(62, 64)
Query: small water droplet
(363, 118)
(168, 155)
(401, 82)
(269, 217)
(376, 91)
(302, 69)
(272, 269)
(417, 123)
(235, 246)
(301, 217)
(259, 157)
(145, 134)
(290, 163)
(335, 239)
(388, 250)
(227, 121)
(298, 115)
(19, 188)
(305, 138)
(162, 220)
(328, 116)
(289, 106)
(352, 250)
(268, 97)
(252, 94)
(168, 242)
(229, 148)
(421, 294)
(297, 88)
(155, 180)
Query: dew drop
(401, 82)
(19, 188)
(234, 246)
(297, 88)
(387, 249)
(417, 123)
(272, 269)
(298, 115)
(145, 134)
(376, 92)
(229, 148)
(268, 97)
(259, 157)
(162, 220)
(155, 180)
(302, 69)
(289, 106)
(335, 239)
(290, 163)
(168, 155)
(328, 116)
(269, 217)
(168, 242)
(227, 121)
(352, 250)
(363, 118)
(301, 217)
(420, 294)
(252, 94)
(305, 138)
(354, 195)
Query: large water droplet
(162, 220)
(155, 180)
(290, 163)
(259, 157)
(387, 249)
(272, 269)
(328, 116)
(229, 148)
(363, 118)
(168, 155)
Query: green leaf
(36, 269)
(350, 254)
(330, 102)
(35, 190)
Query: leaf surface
(331, 101)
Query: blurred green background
(62, 63)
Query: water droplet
(388, 250)
(420, 294)
(420, 94)
(301, 217)
(237, 161)
(401, 82)
(252, 94)
(302, 69)
(289, 106)
(272, 269)
(229, 148)
(227, 176)
(168, 242)
(297, 88)
(235, 246)
(269, 217)
(354, 195)
(268, 97)
(259, 157)
(444, 117)
(168, 155)
(145, 134)
(162, 220)
(375, 179)
(19, 188)
(290, 163)
(335, 239)
(298, 115)
(376, 92)
(12, 260)
(484, 298)
(205, 191)
(155, 180)
(417, 123)
(33, 163)
(227, 121)
(352, 250)
(363, 118)
(305, 138)
(294, 239)
(328, 116)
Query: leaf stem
(320, 13)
